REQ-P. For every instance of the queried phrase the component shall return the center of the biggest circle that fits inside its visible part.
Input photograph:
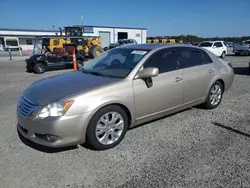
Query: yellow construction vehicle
(156, 40)
(89, 45)
(163, 40)
(149, 41)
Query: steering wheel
(116, 63)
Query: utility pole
(53, 27)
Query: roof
(43, 30)
(152, 46)
(64, 36)
(37, 30)
(118, 27)
(213, 41)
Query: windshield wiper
(92, 72)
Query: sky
(204, 18)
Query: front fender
(92, 101)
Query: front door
(198, 72)
(166, 91)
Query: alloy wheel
(215, 95)
(109, 128)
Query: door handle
(178, 79)
(211, 71)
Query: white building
(107, 33)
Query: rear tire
(223, 55)
(95, 51)
(96, 131)
(39, 68)
(214, 96)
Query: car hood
(55, 88)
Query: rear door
(198, 72)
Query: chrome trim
(26, 107)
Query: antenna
(82, 20)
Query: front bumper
(69, 130)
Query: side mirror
(147, 73)
(214, 47)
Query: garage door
(105, 36)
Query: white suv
(217, 47)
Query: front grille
(26, 107)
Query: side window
(164, 60)
(218, 44)
(190, 58)
(207, 59)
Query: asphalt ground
(193, 148)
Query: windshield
(11, 43)
(117, 63)
(206, 44)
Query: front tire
(29, 68)
(214, 96)
(79, 64)
(95, 51)
(39, 68)
(107, 128)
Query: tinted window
(164, 60)
(218, 44)
(190, 57)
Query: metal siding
(113, 33)
(24, 45)
(105, 36)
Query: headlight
(55, 109)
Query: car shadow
(242, 70)
(43, 148)
(231, 129)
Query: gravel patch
(194, 148)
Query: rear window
(206, 44)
